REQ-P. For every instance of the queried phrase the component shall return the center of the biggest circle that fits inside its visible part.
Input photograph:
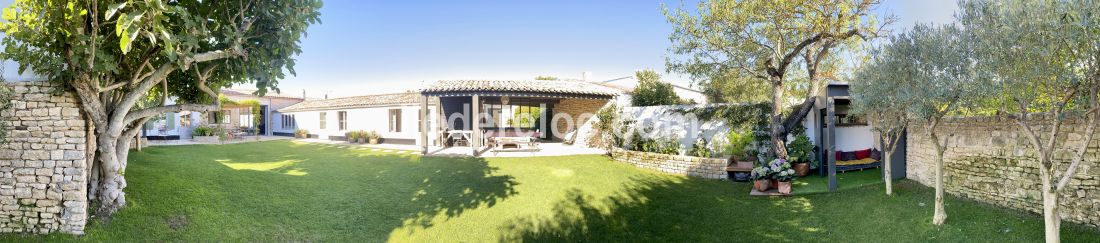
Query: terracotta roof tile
(407, 98)
(536, 86)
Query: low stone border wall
(675, 164)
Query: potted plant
(800, 154)
(362, 136)
(761, 178)
(206, 134)
(301, 133)
(783, 174)
(351, 136)
(738, 143)
(373, 137)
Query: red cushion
(837, 154)
(863, 154)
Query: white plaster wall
(853, 138)
(669, 123)
(367, 119)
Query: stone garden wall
(989, 159)
(42, 162)
(675, 164)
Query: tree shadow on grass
(651, 209)
(663, 210)
(284, 191)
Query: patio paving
(188, 141)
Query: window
(322, 120)
(342, 119)
(395, 120)
(420, 120)
(289, 122)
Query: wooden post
(440, 117)
(424, 124)
(475, 139)
(830, 141)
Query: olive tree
(925, 73)
(115, 55)
(766, 40)
(1044, 59)
(879, 95)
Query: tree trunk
(1051, 219)
(110, 197)
(940, 214)
(886, 174)
(779, 141)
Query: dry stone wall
(674, 164)
(42, 162)
(989, 159)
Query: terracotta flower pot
(761, 185)
(374, 141)
(801, 169)
(785, 187)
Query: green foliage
(372, 135)
(738, 142)
(801, 150)
(112, 40)
(1048, 60)
(351, 135)
(781, 170)
(613, 130)
(5, 104)
(301, 132)
(254, 106)
(208, 131)
(700, 149)
(651, 91)
(749, 121)
(760, 173)
(528, 117)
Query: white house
(394, 117)
(179, 125)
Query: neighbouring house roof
(269, 94)
(520, 88)
(407, 98)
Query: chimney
(585, 75)
(303, 94)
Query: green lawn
(286, 191)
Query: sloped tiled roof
(569, 87)
(246, 92)
(406, 98)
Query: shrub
(700, 149)
(801, 150)
(781, 170)
(207, 131)
(351, 135)
(669, 145)
(739, 142)
(372, 135)
(760, 173)
(301, 132)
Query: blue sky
(365, 47)
(373, 46)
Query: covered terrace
(478, 116)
